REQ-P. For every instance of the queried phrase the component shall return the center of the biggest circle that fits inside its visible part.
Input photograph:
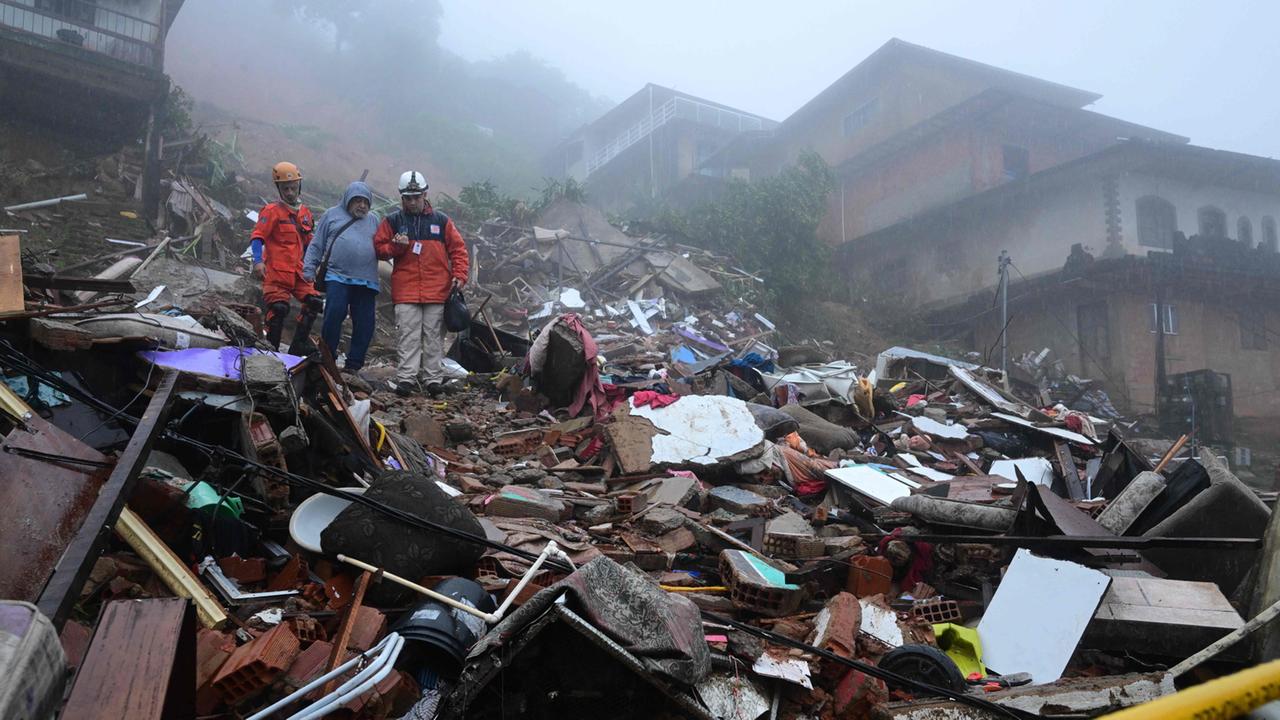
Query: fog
(483, 89)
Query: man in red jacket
(430, 261)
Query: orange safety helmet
(285, 172)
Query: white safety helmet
(412, 183)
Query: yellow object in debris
(129, 214)
(382, 435)
(897, 387)
(1227, 697)
(169, 568)
(13, 405)
(963, 646)
(862, 393)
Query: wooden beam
(54, 282)
(339, 653)
(63, 589)
(1070, 475)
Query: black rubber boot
(275, 323)
(302, 344)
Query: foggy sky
(1205, 70)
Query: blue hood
(355, 190)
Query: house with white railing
(91, 66)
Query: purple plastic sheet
(223, 362)
(701, 339)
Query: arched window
(1157, 222)
(1213, 222)
(1269, 233)
(1244, 231)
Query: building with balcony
(649, 144)
(92, 68)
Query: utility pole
(1005, 260)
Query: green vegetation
(770, 227)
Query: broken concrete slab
(737, 500)
(1074, 697)
(524, 502)
(702, 430)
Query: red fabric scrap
(653, 399)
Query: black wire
(889, 677)
(55, 458)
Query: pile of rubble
(640, 502)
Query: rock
(460, 431)
(737, 500)
(550, 482)
(528, 476)
(424, 429)
(597, 514)
(501, 479)
(660, 520)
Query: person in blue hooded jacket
(352, 277)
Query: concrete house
(649, 144)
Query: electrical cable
(8, 353)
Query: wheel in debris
(926, 664)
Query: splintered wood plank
(10, 274)
(140, 664)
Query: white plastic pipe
(317, 682)
(45, 203)
(490, 618)
(366, 678)
(341, 698)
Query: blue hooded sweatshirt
(352, 261)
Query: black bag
(319, 282)
(456, 316)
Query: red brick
(309, 664)
(212, 650)
(369, 625)
(244, 570)
(256, 664)
(857, 694)
(290, 576)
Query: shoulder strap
(334, 240)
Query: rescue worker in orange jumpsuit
(279, 242)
